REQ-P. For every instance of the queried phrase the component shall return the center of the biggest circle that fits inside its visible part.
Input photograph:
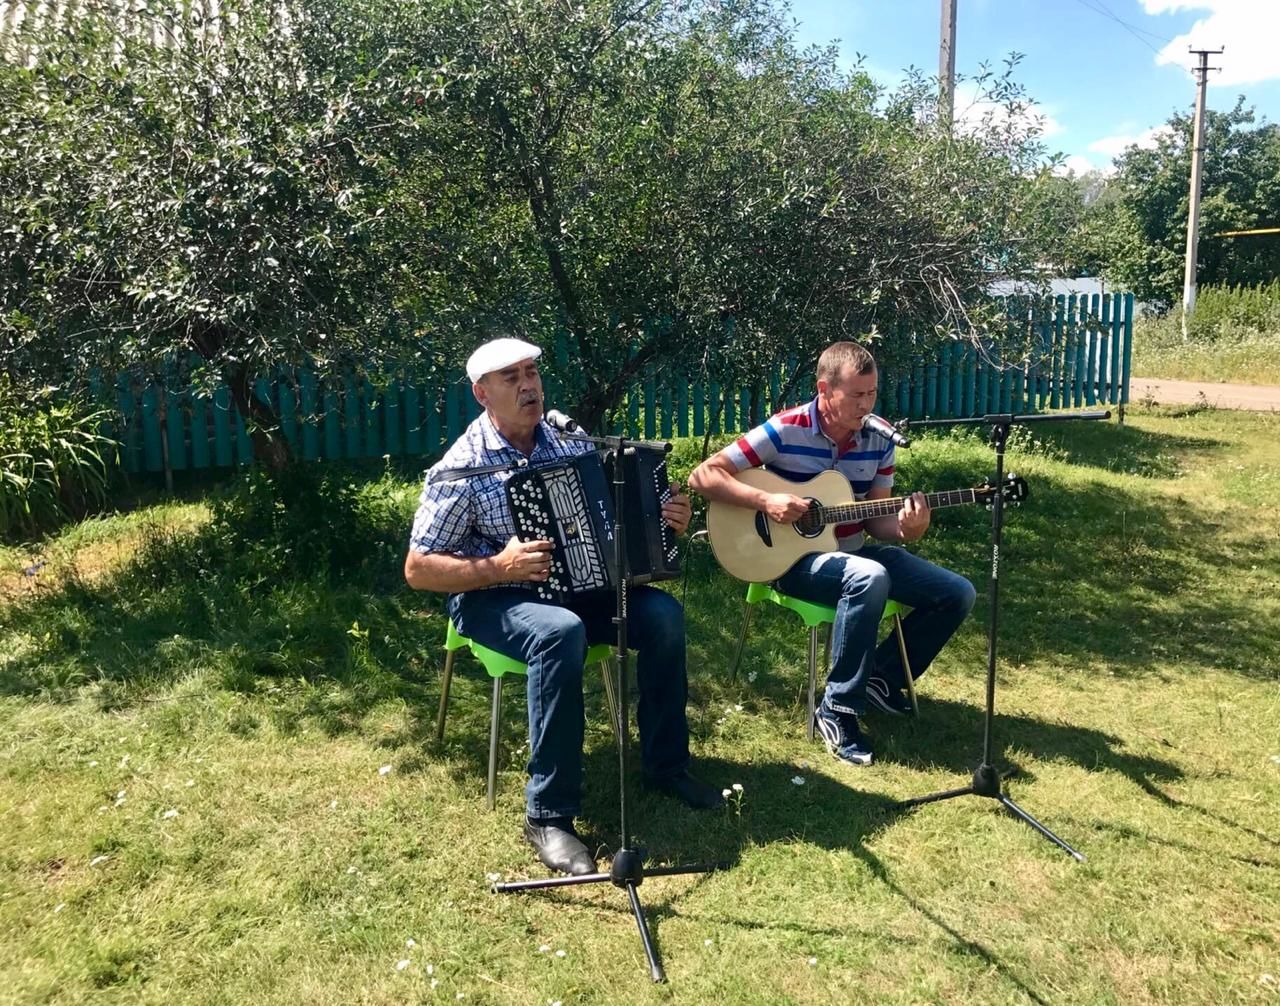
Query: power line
(1132, 29)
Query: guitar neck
(847, 513)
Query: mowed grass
(220, 783)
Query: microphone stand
(986, 777)
(627, 870)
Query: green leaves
(54, 459)
(1240, 189)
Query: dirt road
(1253, 397)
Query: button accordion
(571, 505)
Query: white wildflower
(460, 995)
(384, 770)
(707, 942)
(559, 953)
(97, 860)
(737, 787)
(402, 964)
(124, 761)
(813, 962)
(797, 780)
(431, 969)
(332, 804)
(58, 908)
(171, 812)
(410, 943)
(435, 982)
(93, 764)
(544, 949)
(726, 793)
(493, 878)
(189, 783)
(351, 870)
(738, 708)
(751, 678)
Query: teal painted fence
(1076, 353)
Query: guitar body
(750, 545)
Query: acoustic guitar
(752, 546)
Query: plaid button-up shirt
(469, 516)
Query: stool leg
(494, 727)
(906, 664)
(611, 697)
(813, 675)
(445, 680)
(742, 641)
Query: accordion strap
(452, 474)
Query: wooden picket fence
(1079, 354)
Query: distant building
(1086, 285)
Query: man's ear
(481, 394)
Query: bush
(327, 520)
(55, 459)
(1234, 336)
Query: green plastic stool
(813, 616)
(498, 665)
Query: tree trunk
(261, 420)
(262, 423)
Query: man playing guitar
(857, 580)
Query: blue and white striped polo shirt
(791, 444)
(469, 516)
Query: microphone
(557, 420)
(885, 428)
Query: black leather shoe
(558, 847)
(688, 790)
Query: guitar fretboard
(846, 513)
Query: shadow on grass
(825, 813)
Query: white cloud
(972, 110)
(1114, 146)
(1076, 164)
(1247, 29)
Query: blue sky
(1100, 84)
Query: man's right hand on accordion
(525, 560)
(677, 511)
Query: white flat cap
(498, 354)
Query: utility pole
(947, 65)
(1197, 164)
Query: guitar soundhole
(810, 525)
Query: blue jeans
(553, 640)
(857, 585)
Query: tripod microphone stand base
(987, 782)
(626, 871)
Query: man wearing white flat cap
(464, 544)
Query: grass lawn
(219, 780)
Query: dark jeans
(553, 640)
(857, 585)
